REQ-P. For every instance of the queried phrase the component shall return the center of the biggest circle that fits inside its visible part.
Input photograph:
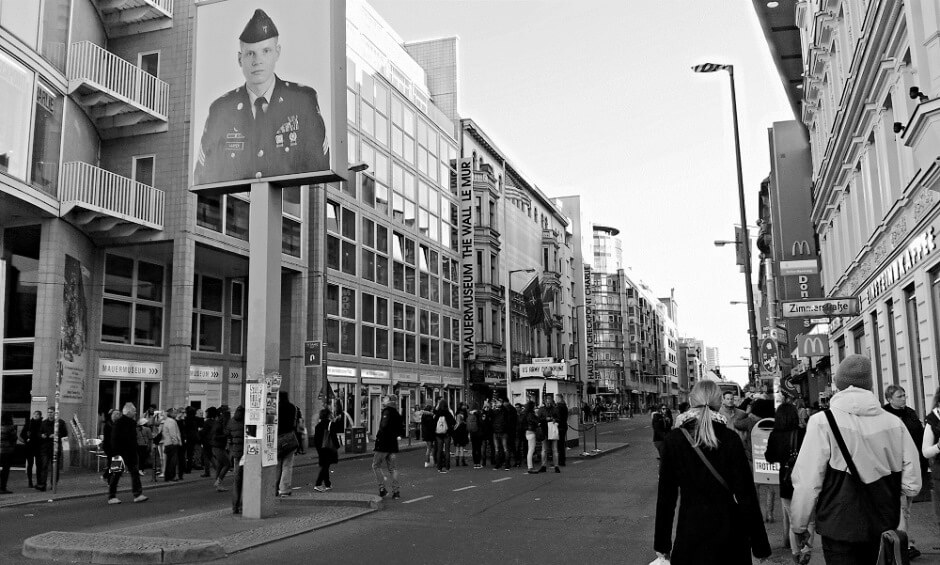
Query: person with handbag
(703, 465)
(327, 444)
(533, 429)
(124, 447)
(286, 442)
(855, 464)
(549, 423)
(783, 447)
(930, 448)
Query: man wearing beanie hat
(850, 517)
(266, 127)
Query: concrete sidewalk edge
(111, 549)
(116, 549)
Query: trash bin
(356, 440)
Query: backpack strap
(708, 463)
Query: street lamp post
(752, 318)
(507, 330)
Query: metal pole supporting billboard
(263, 348)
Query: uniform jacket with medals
(289, 137)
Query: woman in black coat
(442, 451)
(327, 444)
(785, 440)
(717, 524)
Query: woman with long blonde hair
(719, 517)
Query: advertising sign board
(764, 472)
(468, 274)
(812, 345)
(269, 99)
(544, 370)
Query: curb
(161, 485)
(110, 549)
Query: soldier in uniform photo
(266, 127)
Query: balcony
(551, 278)
(108, 205)
(128, 17)
(119, 97)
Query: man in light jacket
(851, 517)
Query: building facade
(112, 266)
(523, 239)
(865, 82)
(635, 334)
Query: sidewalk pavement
(922, 529)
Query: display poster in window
(269, 96)
(73, 339)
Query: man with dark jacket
(48, 439)
(896, 403)
(500, 422)
(30, 436)
(511, 423)
(391, 427)
(124, 445)
(235, 433)
(561, 415)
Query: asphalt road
(596, 509)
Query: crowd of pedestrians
(498, 434)
(849, 471)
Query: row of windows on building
(413, 335)
(416, 268)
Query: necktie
(260, 103)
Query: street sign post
(831, 307)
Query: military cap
(259, 28)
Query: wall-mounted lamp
(898, 127)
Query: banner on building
(534, 307)
(269, 92)
(74, 332)
(468, 274)
(589, 323)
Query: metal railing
(112, 193)
(102, 69)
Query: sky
(597, 98)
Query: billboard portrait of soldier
(275, 118)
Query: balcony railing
(118, 94)
(104, 194)
(126, 17)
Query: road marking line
(577, 462)
(419, 498)
(464, 488)
(501, 480)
